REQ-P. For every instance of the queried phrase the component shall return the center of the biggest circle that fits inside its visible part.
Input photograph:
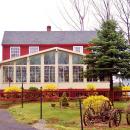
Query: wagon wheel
(106, 106)
(128, 118)
(88, 117)
(115, 118)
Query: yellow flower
(50, 87)
(12, 89)
(125, 87)
(95, 102)
(90, 86)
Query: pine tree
(109, 54)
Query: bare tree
(80, 10)
(123, 13)
(102, 10)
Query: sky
(34, 15)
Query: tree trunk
(111, 88)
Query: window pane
(78, 49)
(32, 73)
(21, 73)
(35, 60)
(77, 59)
(8, 73)
(14, 52)
(77, 74)
(49, 58)
(18, 74)
(9, 63)
(49, 74)
(35, 74)
(21, 62)
(63, 73)
(33, 49)
(38, 74)
(63, 57)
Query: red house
(19, 43)
(44, 57)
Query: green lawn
(60, 119)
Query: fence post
(81, 118)
(40, 102)
(22, 95)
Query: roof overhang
(40, 52)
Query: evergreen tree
(109, 54)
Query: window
(35, 60)
(49, 74)
(21, 62)
(35, 74)
(63, 57)
(14, 52)
(8, 73)
(77, 59)
(78, 49)
(77, 74)
(63, 73)
(33, 49)
(49, 58)
(9, 63)
(21, 73)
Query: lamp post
(81, 118)
(40, 102)
(22, 93)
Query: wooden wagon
(107, 114)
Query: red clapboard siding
(24, 48)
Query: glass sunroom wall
(57, 66)
(21, 70)
(35, 68)
(49, 66)
(8, 72)
(63, 66)
(78, 68)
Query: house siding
(24, 48)
(6, 52)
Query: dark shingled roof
(44, 37)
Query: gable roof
(40, 52)
(45, 37)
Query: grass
(60, 119)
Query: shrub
(32, 88)
(95, 102)
(125, 88)
(64, 100)
(9, 92)
(90, 86)
(50, 87)
(50, 96)
(12, 89)
(117, 88)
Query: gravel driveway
(8, 123)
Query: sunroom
(58, 66)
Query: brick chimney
(48, 28)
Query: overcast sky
(33, 15)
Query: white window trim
(81, 49)
(31, 47)
(15, 47)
